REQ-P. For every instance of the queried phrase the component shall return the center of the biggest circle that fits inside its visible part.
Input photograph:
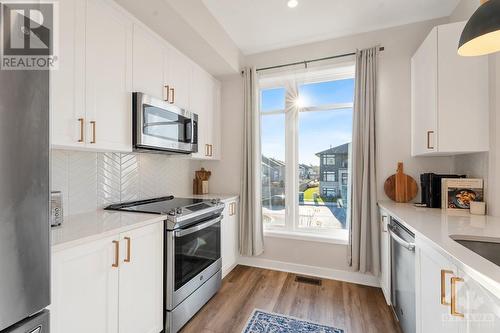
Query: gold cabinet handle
(454, 311)
(117, 254)
(443, 286)
(166, 93)
(82, 128)
(172, 90)
(93, 131)
(127, 259)
(207, 150)
(429, 139)
(211, 150)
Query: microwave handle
(198, 227)
(194, 131)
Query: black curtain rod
(305, 62)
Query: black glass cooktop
(159, 205)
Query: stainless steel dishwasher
(403, 275)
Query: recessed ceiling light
(292, 3)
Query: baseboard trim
(227, 270)
(320, 272)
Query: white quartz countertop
(223, 197)
(87, 227)
(436, 226)
(82, 228)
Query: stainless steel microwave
(160, 126)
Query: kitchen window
(306, 134)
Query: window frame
(292, 169)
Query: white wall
(484, 165)
(393, 127)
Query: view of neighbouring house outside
(323, 161)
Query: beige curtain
(251, 238)
(363, 252)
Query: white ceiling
(262, 25)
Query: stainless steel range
(192, 260)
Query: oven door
(163, 126)
(193, 255)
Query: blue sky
(318, 130)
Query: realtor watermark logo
(29, 35)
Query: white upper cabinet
(67, 82)
(105, 55)
(109, 77)
(178, 73)
(205, 101)
(90, 92)
(149, 61)
(449, 96)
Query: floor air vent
(308, 280)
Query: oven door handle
(198, 227)
(401, 241)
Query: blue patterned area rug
(268, 322)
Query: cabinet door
(109, 71)
(216, 131)
(148, 62)
(67, 104)
(200, 106)
(479, 306)
(178, 77)
(141, 280)
(385, 254)
(424, 97)
(463, 86)
(85, 289)
(229, 237)
(434, 274)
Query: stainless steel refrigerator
(24, 201)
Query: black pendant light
(481, 34)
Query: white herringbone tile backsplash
(94, 180)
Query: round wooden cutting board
(400, 187)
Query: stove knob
(179, 211)
(171, 212)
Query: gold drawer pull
(166, 93)
(429, 139)
(82, 126)
(117, 254)
(93, 131)
(454, 312)
(443, 286)
(127, 259)
(172, 90)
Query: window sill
(339, 237)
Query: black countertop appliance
(431, 188)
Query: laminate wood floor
(354, 308)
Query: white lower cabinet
(449, 300)
(385, 257)
(141, 281)
(433, 296)
(85, 289)
(481, 309)
(229, 235)
(110, 285)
